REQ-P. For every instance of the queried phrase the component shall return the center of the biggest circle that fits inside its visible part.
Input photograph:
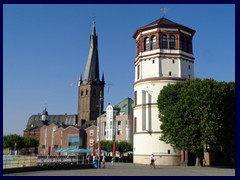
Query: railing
(15, 161)
(61, 160)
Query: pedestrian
(152, 161)
(88, 158)
(103, 161)
(113, 160)
(204, 162)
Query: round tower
(164, 55)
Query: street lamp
(99, 127)
(15, 148)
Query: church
(82, 130)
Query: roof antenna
(164, 11)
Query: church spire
(92, 67)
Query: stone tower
(164, 55)
(91, 88)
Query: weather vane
(164, 10)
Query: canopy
(130, 152)
(74, 150)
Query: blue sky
(45, 48)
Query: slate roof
(164, 22)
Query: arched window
(172, 42)
(153, 40)
(164, 41)
(146, 44)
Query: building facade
(164, 55)
(116, 123)
(58, 136)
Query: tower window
(188, 66)
(173, 61)
(146, 44)
(170, 73)
(164, 41)
(138, 71)
(153, 42)
(81, 92)
(153, 61)
(189, 76)
(172, 42)
(86, 92)
(135, 98)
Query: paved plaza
(129, 169)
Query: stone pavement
(129, 169)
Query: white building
(164, 55)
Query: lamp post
(15, 148)
(99, 127)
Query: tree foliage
(122, 146)
(14, 140)
(29, 141)
(197, 112)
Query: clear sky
(45, 48)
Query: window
(94, 92)
(91, 142)
(153, 61)
(86, 92)
(164, 41)
(138, 71)
(135, 124)
(170, 73)
(91, 133)
(135, 98)
(119, 128)
(74, 141)
(184, 44)
(81, 92)
(153, 44)
(173, 61)
(146, 44)
(188, 66)
(189, 76)
(172, 42)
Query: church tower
(91, 88)
(164, 55)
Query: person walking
(152, 161)
(103, 161)
(113, 160)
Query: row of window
(151, 43)
(86, 92)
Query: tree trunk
(198, 160)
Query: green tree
(12, 141)
(29, 141)
(191, 115)
(123, 146)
